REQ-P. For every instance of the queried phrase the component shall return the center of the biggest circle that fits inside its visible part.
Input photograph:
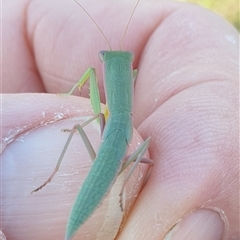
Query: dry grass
(229, 9)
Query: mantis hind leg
(136, 157)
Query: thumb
(32, 143)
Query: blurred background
(229, 9)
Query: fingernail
(201, 224)
(2, 236)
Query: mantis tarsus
(111, 158)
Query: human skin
(186, 100)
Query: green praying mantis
(111, 159)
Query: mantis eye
(101, 55)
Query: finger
(193, 131)
(64, 33)
(20, 72)
(184, 51)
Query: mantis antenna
(124, 34)
(94, 23)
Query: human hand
(185, 99)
